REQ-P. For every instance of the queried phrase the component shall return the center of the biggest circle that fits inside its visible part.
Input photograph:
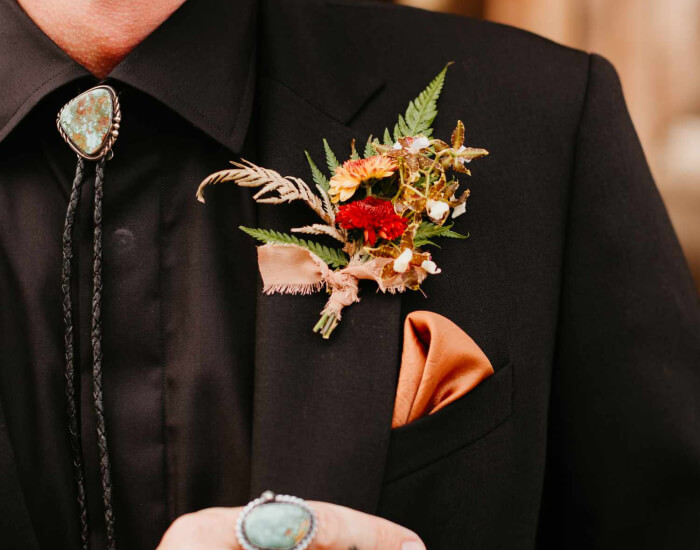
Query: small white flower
(397, 146)
(437, 210)
(403, 261)
(431, 267)
(459, 210)
(418, 144)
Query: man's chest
(178, 294)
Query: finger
(209, 529)
(342, 528)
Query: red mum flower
(375, 216)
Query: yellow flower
(353, 173)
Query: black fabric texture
(571, 281)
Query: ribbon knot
(291, 269)
(344, 291)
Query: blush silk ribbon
(291, 269)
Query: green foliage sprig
(334, 257)
(429, 230)
(422, 111)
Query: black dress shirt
(184, 114)
(572, 282)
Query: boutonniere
(383, 209)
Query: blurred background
(655, 46)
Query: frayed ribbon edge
(294, 288)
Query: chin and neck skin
(98, 34)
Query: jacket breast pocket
(428, 439)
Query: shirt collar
(200, 63)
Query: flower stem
(321, 322)
(326, 324)
(331, 317)
(330, 326)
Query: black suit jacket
(572, 282)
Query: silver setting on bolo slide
(276, 522)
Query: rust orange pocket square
(440, 363)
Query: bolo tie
(89, 123)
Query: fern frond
(420, 243)
(354, 155)
(387, 137)
(453, 235)
(331, 159)
(213, 179)
(334, 257)
(429, 230)
(323, 185)
(319, 178)
(328, 205)
(369, 148)
(401, 129)
(274, 189)
(321, 229)
(422, 111)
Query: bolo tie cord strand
(105, 469)
(96, 343)
(71, 378)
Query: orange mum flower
(353, 173)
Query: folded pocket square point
(439, 364)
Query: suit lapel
(322, 409)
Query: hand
(340, 528)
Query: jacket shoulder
(501, 57)
(409, 25)
(508, 72)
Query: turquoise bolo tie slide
(90, 125)
(90, 122)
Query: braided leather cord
(71, 379)
(105, 469)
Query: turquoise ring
(276, 522)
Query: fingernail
(412, 545)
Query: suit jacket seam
(562, 275)
(569, 202)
